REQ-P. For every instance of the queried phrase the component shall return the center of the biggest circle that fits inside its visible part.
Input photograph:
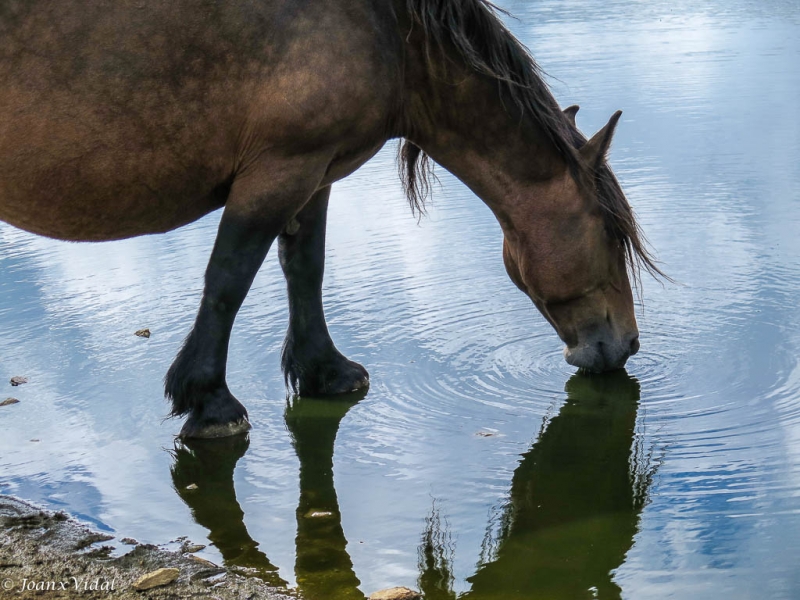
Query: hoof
(328, 376)
(217, 414)
(215, 430)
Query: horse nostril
(634, 345)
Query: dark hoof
(192, 430)
(222, 415)
(327, 377)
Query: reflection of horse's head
(573, 507)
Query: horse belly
(64, 205)
(80, 177)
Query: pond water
(479, 465)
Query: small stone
(396, 593)
(191, 486)
(17, 380)
(156, 579)
(9, 401)
(202, 561)
(129, 541)
(145, 333)
(192, 548)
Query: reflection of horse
(570, 519)
(573, 508)
(120, 119)
(209, 465)
(322, 565)
(323, 568)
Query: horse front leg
(311, 363)
(252, 219)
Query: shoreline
(48, 554)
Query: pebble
(202, 561)
(9, 401)
(156, 579)
(317, 514)
(396, 593)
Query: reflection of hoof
(328, 375)
(221, 415)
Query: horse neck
(458, 117)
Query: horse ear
(595, 149)
(570, 113)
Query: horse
(139, 116)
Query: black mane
(474, 29)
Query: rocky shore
(45, 554)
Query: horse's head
(569, 252)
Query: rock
(156, 579)
(396, 593)
(486, 434)
(17, 380)
(191, 486)
(145, 333)
(129, 541)
(190, 548)
(203, 561)
(92, 538)
(9, 401)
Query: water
(478, 465)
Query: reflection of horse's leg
(311, 363)
(203, 478)
(257, 209)
(323, 567)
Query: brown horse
(138, 116)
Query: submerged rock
(9, 401)
(145, 333)
(17, 380)
(396, 593)
(156, 579)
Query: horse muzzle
(602, 352)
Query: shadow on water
(569, 520)
(572, 511)
(323, 568)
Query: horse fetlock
(322, 373)
(216, 413)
